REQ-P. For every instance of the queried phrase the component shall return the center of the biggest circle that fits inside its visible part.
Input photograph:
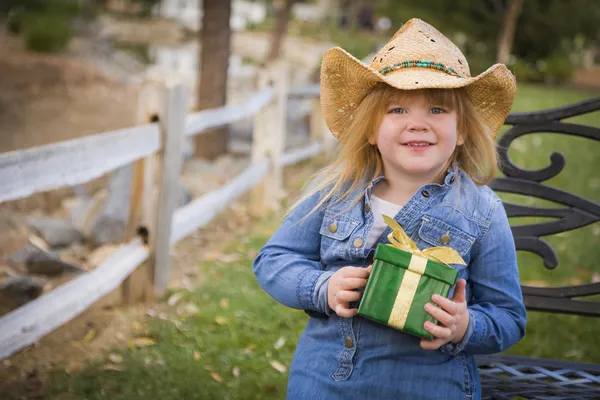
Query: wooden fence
(155, 151)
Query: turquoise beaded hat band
(420, 64)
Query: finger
(352, 283)
(439, 332)
(348, 296)
(460, 293)
(431, 344)
(345, 312)
(442, 316)
(355, 272)
(369, 268)
(447, 305)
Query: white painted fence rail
(202, 121)
(73, 162)
(149, 145)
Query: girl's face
(417, 138)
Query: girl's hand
(341, 289)
(453, 318)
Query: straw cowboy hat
(417, 57)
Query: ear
(460, 140)
(373, 139)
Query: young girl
(416, 135)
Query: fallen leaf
(212, 256)
(236, 372)
(116, 358)
(221, 320)
(216, 377)
(143, 342)
(224, 303)
(112, 367)
(174, 299)
(196, 355)
(89, 336)
(136, 326)
(160, 362)
(229, 258)
(278, 366)
(72, 367)
(191, 309)
(279, 343)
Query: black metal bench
(512, 377)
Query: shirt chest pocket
(336, 231)
(434, 232)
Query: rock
(50, 264)
(56, 232)
(107, 229)
(111, 222)
(20, 256)
(18, 290)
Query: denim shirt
(349, 358)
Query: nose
(417, 125)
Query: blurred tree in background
(548, 39)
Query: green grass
(236, 325)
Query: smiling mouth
(418, 144)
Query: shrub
(46, 33)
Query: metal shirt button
(348, 342)
(445, 239)
(333, 227)
(367, 208)
(358, 242)
(425, 193)
(453, 179)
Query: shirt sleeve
(288, 267)
(497, 316)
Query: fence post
(172, 121)
(268, 138)
(144, 198)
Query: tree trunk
(507, 34)
(283, 17)
(214, 61)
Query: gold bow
(400, 240)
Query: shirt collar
(451, 175)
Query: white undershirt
(380, 206)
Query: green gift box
(402, 282)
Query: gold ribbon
(416, 268)
(400, 240)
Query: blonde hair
(358, 162)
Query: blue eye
(437, 110)
(398, 110)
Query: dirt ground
(49, 98)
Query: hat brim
(345, 81)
